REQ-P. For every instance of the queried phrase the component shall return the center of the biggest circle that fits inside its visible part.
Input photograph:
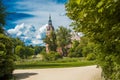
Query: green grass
(61, 63)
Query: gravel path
(75, 73)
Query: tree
(6, 49)
(75, 50)
(87, 47)
(99, 20)
(38, 49)
(52, 56)
(19, 50)
(28, 52)
(83, 48)
(24, 51)
(51, 41)
(17, 41)
(6, 57)
(2, 16)
(63, 39)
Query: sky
(27, 19)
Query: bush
(91, 56)
(52, 56)
(6, 58)
(75, 50)
(17, 58)
(74, 54)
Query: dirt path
(75, 73)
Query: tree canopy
(51, 41)
(6, 49)
(6, 57)
(99, 20)
(63, 39)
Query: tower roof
(50, 26)
(49, 21)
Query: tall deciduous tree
(100, 21)
(6, 46)
(63, 39)
(51, 41)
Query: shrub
(75, 50)
(74, 54)
(91, 56)
(52, 56)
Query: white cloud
(37, 42)
(29, 34)
(41, 9)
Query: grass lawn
(61, 63)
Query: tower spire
(50, 21)
(49, 16)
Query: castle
(50, 28)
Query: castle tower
(49, 29)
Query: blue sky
(27, 19)
(35, 12)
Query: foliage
(38, 49)
(60, 63)
(6, 49)
(75, 50)
(91, 56)
(60, 38)
(6, 58)
(51, 41)
(63, 39)
(3, 49)
(52, 56)
(19, 50)
(83, 48)
(17, 41)
(99, 20)
(28, 52)
(24, 52)
(88, 48)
